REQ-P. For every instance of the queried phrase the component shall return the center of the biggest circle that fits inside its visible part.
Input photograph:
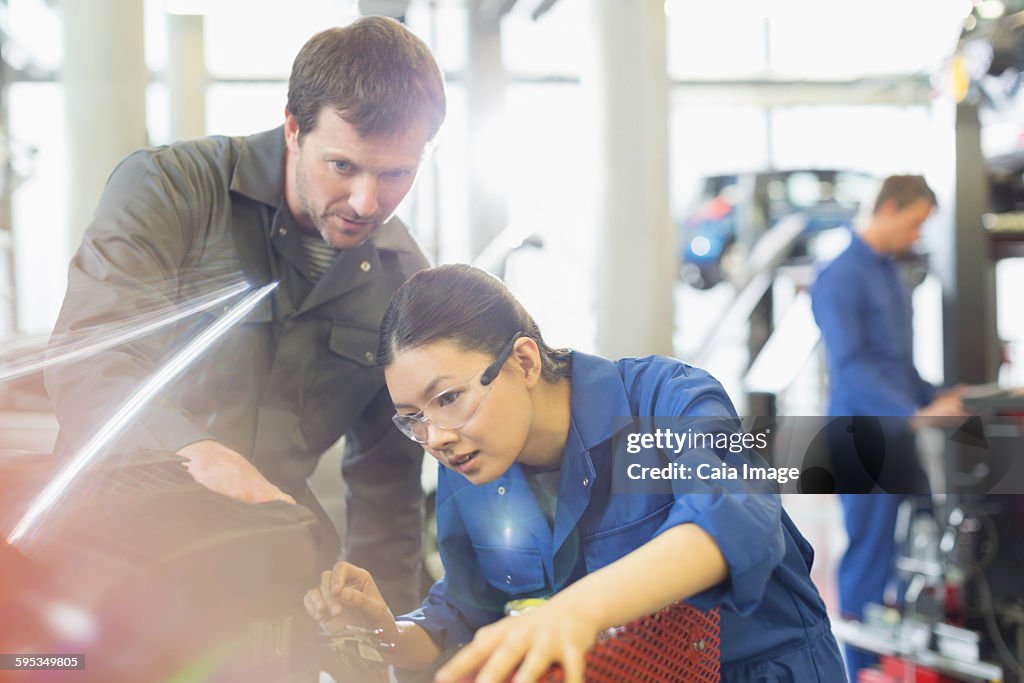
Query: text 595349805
(41, 662)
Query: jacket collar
(599, 408)
(259, 171)
(600, 405)
(865, 251)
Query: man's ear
(527, 358)
(888, 208)
(291, 130)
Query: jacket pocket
(511, 570)
(355, 343)
(604, 547)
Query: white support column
(186, 75)
(105, 80)
(485, 101)
(628, 79)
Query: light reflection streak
(75, 348)
(53, 491)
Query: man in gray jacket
(308, 205)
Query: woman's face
(441, 374)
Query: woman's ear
(527, 359)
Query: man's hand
(947, 410)
(947, 404)
(221, 469)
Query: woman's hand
(526, 645)
(348, 594)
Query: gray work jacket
(282, 386)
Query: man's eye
(448, 398)
(341, 165)
(397, 175)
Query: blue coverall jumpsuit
(497, 544)
(864, 312)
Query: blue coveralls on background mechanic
(864, 312)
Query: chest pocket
(604, 547)
(515, 571)
(358, 344)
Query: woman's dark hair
(466, 306)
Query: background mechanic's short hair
(904, 190)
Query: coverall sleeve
(743, 517)
(126, 272)
(836, 307)
(462, 601)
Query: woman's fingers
(523, 646)
(314, 604)
(542, 655)
(370, 607)
(348, 587)
(573, 664)
(504, 657)
(469, 659)
(346, 575)
(537, 661)
(331, 602)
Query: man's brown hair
(375, 73)
(904, 190)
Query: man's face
(905, 225)
(344, 186)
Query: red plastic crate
(679, 644)
(903, 671)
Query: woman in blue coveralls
(526, 507)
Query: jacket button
(365, 266)
(369, 357)
(282, 231)
(586, 482)
(501, 490)
(508, 579)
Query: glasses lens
(411, 427)
(455, 406)
(451, 409)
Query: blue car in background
(734, 210)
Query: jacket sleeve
(462, 601)
(877, 391)
(126, 273)
(743, 517)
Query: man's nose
(363, 197)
